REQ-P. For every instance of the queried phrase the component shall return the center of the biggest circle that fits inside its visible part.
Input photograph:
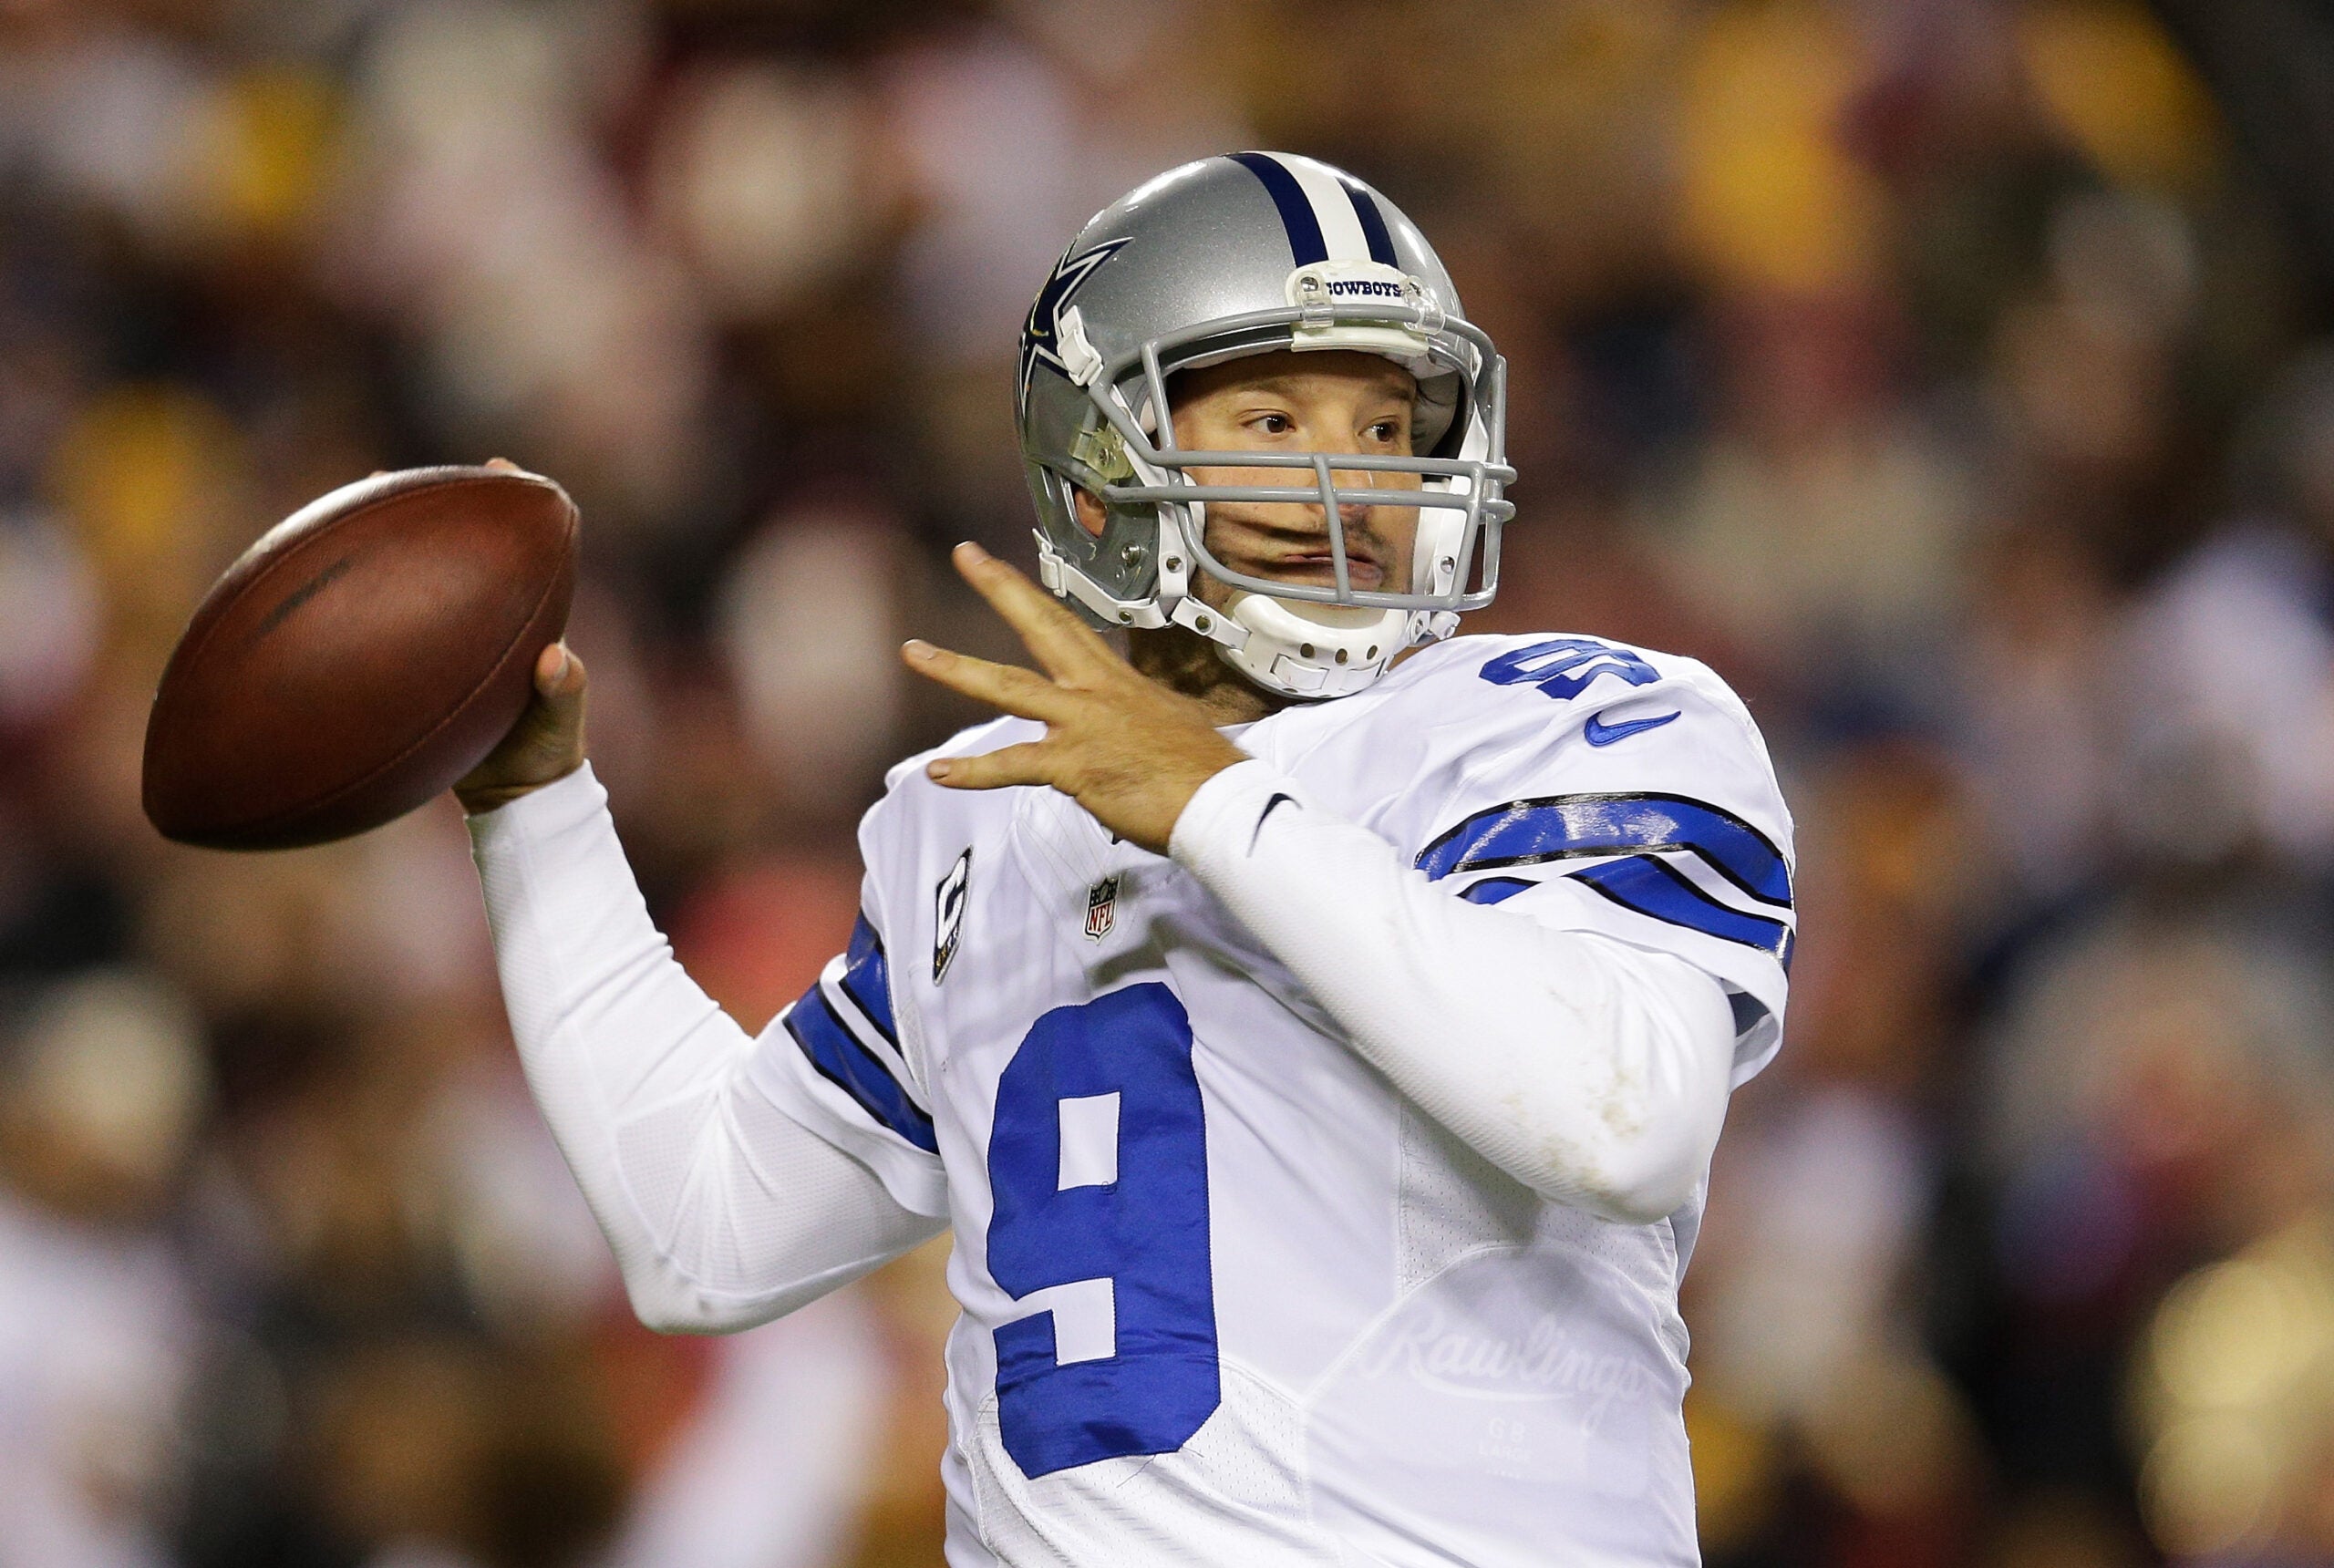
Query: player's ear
(1088, 507)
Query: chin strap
(1288, 652)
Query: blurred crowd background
(1939, 370)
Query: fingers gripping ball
(364, 655)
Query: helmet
(1237, 256)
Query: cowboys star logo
(1042, 334)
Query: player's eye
(1273, 424)
(1386, 430)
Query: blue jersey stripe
(1569, 827)
(1496, 890)
(852, 1067)
(1373, 225)
(1647, 886)
(1306, 245)
(867, 978)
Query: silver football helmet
(1237, 256)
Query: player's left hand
(1127, 749)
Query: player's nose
(1353, 513)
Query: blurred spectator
(780, 1461)
(101, 1089)
(1809, 1339)
(811, 619)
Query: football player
(1315, 1052)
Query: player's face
(1324, 402)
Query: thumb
(560, 676)
(547, 742)
(559, 683)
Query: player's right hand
(545, 746)
(1130, 750)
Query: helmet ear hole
(1087, 507)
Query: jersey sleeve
(1644, 810)
(834, 1059)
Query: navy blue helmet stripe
(852, 1067)
(1570, 827)
(1306, 245)
(1648, 887)
(1373, 224)
(867, 979)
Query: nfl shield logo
(1101, 908)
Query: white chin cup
(1304, 650)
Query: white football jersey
(1228, 1297)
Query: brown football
(365, 653)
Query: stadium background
(1937, 369)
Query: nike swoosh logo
(1600, 733)
(1258, 832)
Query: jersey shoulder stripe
(844, 1026)
(1650, 887)
(854, 1069)
(1569, 827)
(1602, 826)
(1496, 890)
(865, 978)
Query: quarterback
(1312, 1027)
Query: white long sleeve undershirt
(723, 1211)
(1592, 1071)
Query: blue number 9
(1129, 1209)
